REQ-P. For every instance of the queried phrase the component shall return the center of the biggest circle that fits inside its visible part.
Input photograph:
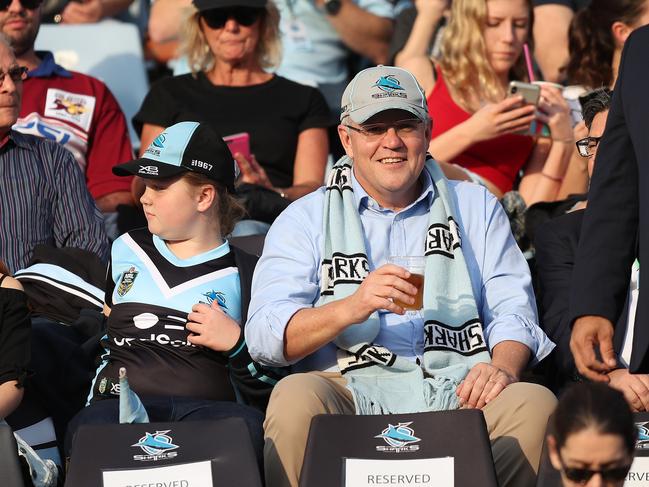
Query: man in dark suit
(615, 224)
(556, 245)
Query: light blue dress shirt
(287, 277)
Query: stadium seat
(108, 50)
(144, 450)
(253, 244)
(459, 434)
(10, 470)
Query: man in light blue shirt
(385, 130)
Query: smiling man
(325, 299)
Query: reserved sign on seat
(420, 472)
(197, 474)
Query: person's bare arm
(111, 201)
(361, 31)
(10, 397)
(551, 23)
(485, 381)
(429, 13)
(149, 132)
(89, 11)
(544, 177)
(311, 328)
(165, 19)
(490, 121)
(310, 163)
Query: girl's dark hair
(591, 43)
(4, 269)
(594, 405)
(228, 208)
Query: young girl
(177, 294)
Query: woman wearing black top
(229, 46)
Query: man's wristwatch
(332, 7)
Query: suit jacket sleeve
(555, 258)
(607, 243)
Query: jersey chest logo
(127, 280)
(71, 107)
(217, 296)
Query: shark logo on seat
(399, 438)
(157, 446)
(643, 436)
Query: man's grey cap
(374, 90)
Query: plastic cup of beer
(415, 265)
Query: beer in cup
(415, 265)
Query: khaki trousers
(516, 421)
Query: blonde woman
(229, 45)
(478, 132)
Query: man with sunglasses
(323, 269)
(75, 110)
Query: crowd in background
(276, 70)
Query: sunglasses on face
(28, 4)
(216, 18)
(583, 475)
(17, 73)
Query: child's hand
(210, 327)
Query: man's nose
(391, 138)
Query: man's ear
(206, 194)
(620, 32)
(346, 140)
(428, 132)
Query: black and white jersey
(150, 292)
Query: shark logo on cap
(159, 141)
(388, 83)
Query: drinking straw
(528, 62)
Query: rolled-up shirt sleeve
(285, 281)
(508, 307)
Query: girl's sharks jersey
(150, 292)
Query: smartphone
(239, 143)
(531, 93)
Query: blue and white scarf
(380, 381)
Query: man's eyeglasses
(217, 17)
(28, 4)
(18, 73)
(587, 145)
(403, 128)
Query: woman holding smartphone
(479, 132)
(230, 46)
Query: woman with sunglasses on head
(592, 439)
(229, 45)
(478, 131)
